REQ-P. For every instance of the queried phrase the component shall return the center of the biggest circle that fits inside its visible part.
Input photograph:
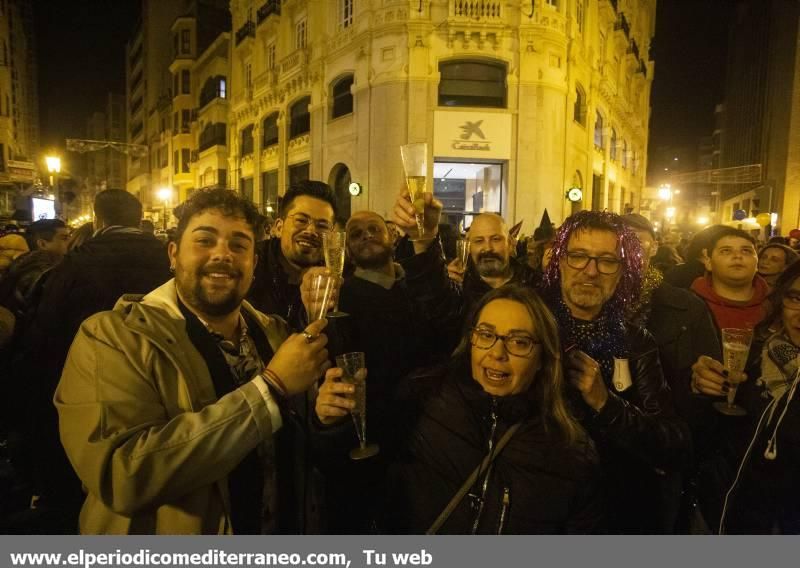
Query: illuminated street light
(670, 213)
(664, 193)
(702, 220)
(164, 195)
(53, 164)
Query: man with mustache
(173, 406)
(307, 211)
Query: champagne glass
(462, 252)
(333, 246)
(354, 368)
(415, 165)
(735, 349)
(322, 288)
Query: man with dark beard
(308, 211)
(171, 406)
(387, 326)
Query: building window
(270, 128)
(212, 135)
(300, 34)
(247, 188)
(472, 83)
(346, 13)
(298, 173)
(186, 157)
(613, 144)
(214, 87)
(185, 42)
(271, 56)
(300, 119)
(342, 97)
(579, 112)
(246, 146)
(186, 82)
(223, 88)
(624, 154)
(579, 15)
(553, 3)
(269, 190)
(186, 119)
(598, 130)
(248, 73)
(175, 90)
(176, 161)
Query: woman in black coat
(505, 374)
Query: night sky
(81, 48)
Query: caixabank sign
(475, 135)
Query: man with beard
(307, 212)
(387, 326)
(171, 405)
(623, 400)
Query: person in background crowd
(119, 259)
(684, 275)
(793, 240)
(169, 405)
(147, 227)
(308, 211)
(502, 391)
(777, 240)
(773, 259)
(80, 236)
(624, 401)
(48, 234)
(732, 289)
(665, 259)
(540, 246)
(12, 245)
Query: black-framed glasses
(517, 344)
(791, 301)
(302, 221)
(604, 264)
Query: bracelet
(270, 377)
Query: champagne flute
(462, 252)
(353, 365)
(415, 165)
(333, 247)
(322, 288)
(735, 349)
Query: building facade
(518, 101)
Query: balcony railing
(293, 60)
(270, 8)
(478, 10)
(247, 30)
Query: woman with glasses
(490, 447)
(763, 496)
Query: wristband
(271, 378)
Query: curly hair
(630, 284)
(227, 201)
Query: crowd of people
(562, 383)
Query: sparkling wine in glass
(735, 349)
(333, 247)
(415, 165)
(462, 252)
(322, 288)
(354, 368)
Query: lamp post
(53, 164)
(164, 194)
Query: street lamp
(164, 194)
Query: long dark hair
(547, 388)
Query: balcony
(293, 61)
(270, 8)
(477, 11)
(247, 30)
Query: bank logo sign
(465, 134)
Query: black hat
(545, 231)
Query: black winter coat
(271, 292)
(537, 485)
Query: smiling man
(169, 404)
(731, 288)
(625, 405)
(308, 211)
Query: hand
(584, 373)
(455, 271)
(335, 399)
(404, 213)
(307, 291)
(710, 377)
(302, 358)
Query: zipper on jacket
(485, 484)
(504, 509)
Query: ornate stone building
(518, 100)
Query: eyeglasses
(605, 265)
(517, 345)
(302, 221)
(791, 301)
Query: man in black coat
(308, 211)
(119, 259)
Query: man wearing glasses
(625, 404)
(307, 212)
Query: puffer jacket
(142, 425)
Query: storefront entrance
(468, 188)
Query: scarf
(779, 363)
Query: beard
(585, 297)
(491, 265)
(205, 299)
(371, 256)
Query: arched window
(300, 119)
(270, 131)
(342, 97)
(613, 144)
(472, 83)
(246, 146)
(579, 112)
(598, 130)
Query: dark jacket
(536, 484)
(640, 438)
(684, 274)
(88, 280)
(271, 292)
